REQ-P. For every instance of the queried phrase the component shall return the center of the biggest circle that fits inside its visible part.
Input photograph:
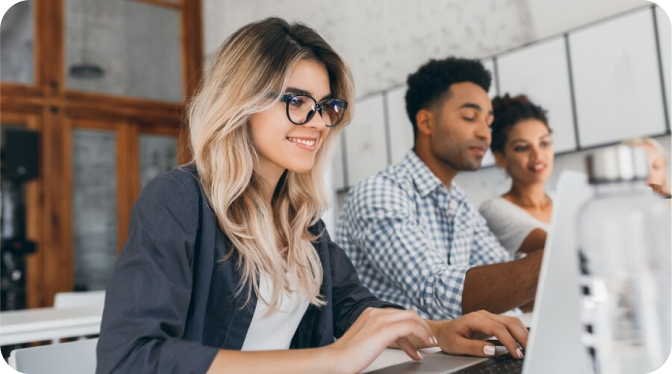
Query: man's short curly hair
(431, 83)
(508, 112)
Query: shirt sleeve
(149, 292)
(384, 225)
(350, 297)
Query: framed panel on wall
(400, 127)
(540, 72)
(617, 80)
(665, 41)
(489, 64)
(337, 166)
(365, 137)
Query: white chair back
(78, 299)
(77, 357)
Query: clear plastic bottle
(624, 234)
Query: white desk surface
(392, 356)
(31, 325)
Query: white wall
(385, 40)
(552, 17)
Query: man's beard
(461, 159)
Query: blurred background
(93, 94)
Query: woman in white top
(521, 143)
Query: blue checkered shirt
(412, 240)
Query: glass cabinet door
(158, 155)
(124, 48)
(94, 197)
(16, 44)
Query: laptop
(554, 345)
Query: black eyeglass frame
(317, 107)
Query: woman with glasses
(227, 266)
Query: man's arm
(501, 287)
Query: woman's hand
(660, 190)
(466, 335)
(373, 332)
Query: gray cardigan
(170, 304)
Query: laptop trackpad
(436, 363)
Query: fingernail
(436, 342)
(519, 352)
(489, 350)
(419, 354)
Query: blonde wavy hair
(248, 72)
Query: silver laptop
(554, 346)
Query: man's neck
(441, 170)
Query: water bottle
(624, 236)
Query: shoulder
(177, 192)
(492, 205)
(393, 183)
(183, 179)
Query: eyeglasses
(301, 109)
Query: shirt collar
(425, 180)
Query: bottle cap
(617, 163)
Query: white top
(510, 223)
(275, 331)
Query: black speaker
(20, 154)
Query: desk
(392, 356)
(32, 325)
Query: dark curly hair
(508, 112)
(431, 83)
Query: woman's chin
(300, 168)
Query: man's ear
(425, 121)
(500, 159)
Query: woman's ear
(500, 160)
(425, 121)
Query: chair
(78, 357)
(78, 299)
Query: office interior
(102, 85)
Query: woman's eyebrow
(299, 91)
(518, 141)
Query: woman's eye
(469, 119)
(520, 148)
(545, 144)
(297, 102)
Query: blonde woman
(227, 267)
(658, 166)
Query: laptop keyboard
(504, 364)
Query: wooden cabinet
(97, 145)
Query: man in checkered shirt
(412, 235)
